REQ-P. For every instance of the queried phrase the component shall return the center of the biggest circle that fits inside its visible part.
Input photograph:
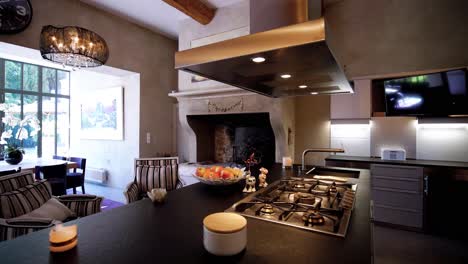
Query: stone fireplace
(233, 137)
(227, 124)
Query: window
(44, 92)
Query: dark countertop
(408, 162)
(172, 232)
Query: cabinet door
(353, 106)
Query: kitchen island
(143, 232)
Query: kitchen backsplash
(444, 141)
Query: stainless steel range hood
(299, 50)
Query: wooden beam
(195, 9)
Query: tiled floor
(397, 246)
(110, 193)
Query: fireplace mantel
(207, 93)
(230, 100)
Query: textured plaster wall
(381, 37)
(227, 19)
(312, 116)
(132, 48)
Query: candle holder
(63, 238)
(287, 162)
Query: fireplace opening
(226, 138)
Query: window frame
(40, 94)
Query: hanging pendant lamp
(73, 46)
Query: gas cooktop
(318, 205)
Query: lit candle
(63, 238)
(287, 162)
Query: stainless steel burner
(267, 209)
(333, 188)
(313, 218)
(299, 185)
(308, 204)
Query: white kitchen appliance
(393, 154)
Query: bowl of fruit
(218, 175)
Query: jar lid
(224, 222)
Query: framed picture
(102, 114)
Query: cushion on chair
(12, 228)
(157, 175)
(24, 200)
(74, 174)
(51, 209)
(82, 204)
(15, 181)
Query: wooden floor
(402, 247)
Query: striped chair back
(153, 173)
(15, 181)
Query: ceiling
(155, 15)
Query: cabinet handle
(426, 185)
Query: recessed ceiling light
(313, 93)
(302, 86)
(286, 76)
(258, 59)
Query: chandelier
(73, 46)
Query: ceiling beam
(195, 9)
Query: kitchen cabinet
(353, 106)
(446, 203)
(397, 194)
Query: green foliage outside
(13, 75)
(12, 79)
(31, 77)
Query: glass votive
(287, 162)
(63, 238)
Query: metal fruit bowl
(220, 181)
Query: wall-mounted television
(436, 94)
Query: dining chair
(55, 175)
(77, 176)
(55, 157)
(8, 172)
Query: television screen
(437, 94)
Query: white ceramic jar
(224, 234)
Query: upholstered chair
(27, 205)
(153, 173)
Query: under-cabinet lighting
(313, 93)
(302, 86)
(350, 130)
(444, 126)
(286, 76)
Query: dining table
(31, 163)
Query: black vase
(13, 157)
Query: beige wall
(312, 127)
(379, 37)
(132, 48)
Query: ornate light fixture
(73, 46)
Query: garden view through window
(45, 93)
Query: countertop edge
(408, 162)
